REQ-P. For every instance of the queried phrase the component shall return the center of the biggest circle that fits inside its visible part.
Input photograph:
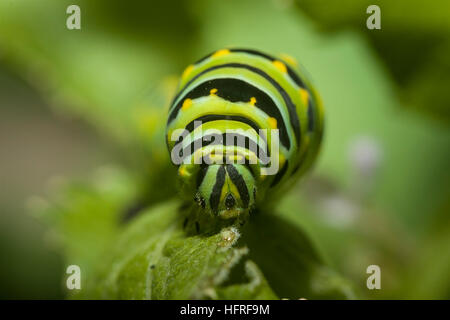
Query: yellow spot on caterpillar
(280, 66)
(252, 101)
(304, 95)
(220, 53)
(213, 92)
(236, 158)
(289, 59)
(182, 171)
(186, 104)
(216, 158)
(187, 71)
(272, 122)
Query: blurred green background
(74, 103)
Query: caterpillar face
(242, 124)
(225, 189)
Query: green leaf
(290, 261)
(257, 287)
(155, 259)
(84, 217)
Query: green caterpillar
(241, 128)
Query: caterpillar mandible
(238, 114)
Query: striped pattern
(242, 90)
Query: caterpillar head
(224, 190)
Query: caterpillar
(241, 128)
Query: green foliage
(413, 41)
(119, 85)
(84, 217)
(290, 262)
(153, 257)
